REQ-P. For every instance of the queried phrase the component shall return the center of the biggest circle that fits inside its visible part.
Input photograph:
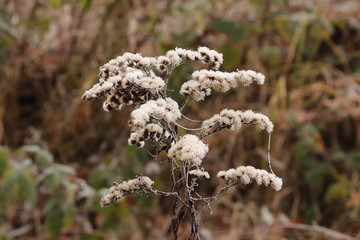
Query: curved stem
(268, 154)
(190, 129)
(187, 118)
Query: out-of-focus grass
(50, 52)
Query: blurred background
(58, 152)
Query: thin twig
(190, 129)
(268, 154)
(319, 229)
(187, 118)
(166, 194)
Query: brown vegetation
(50, 52)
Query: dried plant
(131, 79)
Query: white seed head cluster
(151, 132)
(248, 174)
(211, 56)
(178, 56)
(225, 119)
(195, 90)
(127, 79)
(261, 121)
(233, 120)
(132, 79)
(124, 64)
(160, 109)
(203, 81)
(189, 149)
(133, 186)
(199, 173)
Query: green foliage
(55, 221)
(238, 32)
(86, 4)
(272, 54)
(4, 159)
(88, 236)
(305, 151)
(30, 175)
(42, 157)
(18, 183)
(231, 57)
(134, 163)
(339, 191)
(145, 203)
(351, 159)
(315, 175)
(104, 175)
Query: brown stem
(176, 221)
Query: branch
(210, 199)
(318, 229)
(167, 194)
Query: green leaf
(88, 236)
(239, 34)
(315, 176)
(354, 160)
(64, 170)
(101, 179)
(55, 222)
(111, 217)
(19, 185)
(55, 3)
(309, 130)
(49, 182)
(27, 188)
(319, 31)
(53, 203)
(309, 213)
(231, 57)
(70, 213)
(123, 210)
(134, 161)
(303, 149)
(256, 2)
(85, 4)
(339, 156)
(224, 25)
(309, 161)
(144, 202)
(44, 159)
(339, 191)
(272, 54)
(9, 188)
(310, 102)
(4, 159)
(350, 159)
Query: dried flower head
(140, 184)
(233, 120)
(200, 173)
(142, 82)
(247, 174)
(203, 81)
(189, 149)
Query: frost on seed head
(117, 191)
(203, 81)
(248, 174)
(142, 82)
(189, 149)
(199, 173)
